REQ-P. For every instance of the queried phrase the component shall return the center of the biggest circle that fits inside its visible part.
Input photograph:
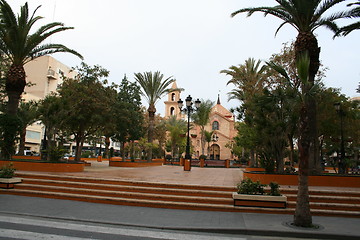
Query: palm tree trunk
(151, 111)
(302, 215)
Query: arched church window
(215, 125)
(173, 97)
(172, 111)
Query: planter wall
(254, 169)
(266, 201)
(328, 181)
(45, 166)
(26, 157)
(134, 164)
(9, 183)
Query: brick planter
(265, 201)
(45, 166)
(8, 183)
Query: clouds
(190, 40)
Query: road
(35, 228)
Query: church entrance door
(215, 152)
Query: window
(215, 125)
(172, 111)
(33, 134)
(173, 97)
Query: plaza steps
(175, 196)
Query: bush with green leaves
(247, 186)
(274, 189)
(202, 157)
(7, 171)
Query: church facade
(221, 123)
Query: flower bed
(39, 166)
(292, 179)
(117, 163)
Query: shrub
(247, 186)
(274, 189)
(7, 171)
(202, 157)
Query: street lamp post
(188, 109)
(214, 140)
(340, 111)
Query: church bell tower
(171, 105)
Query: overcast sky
(191, 40)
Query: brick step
(328, 199)
(124, 194)
(123, 182)
(344, 193)
(146, 203)
(141, 189)
(329, 206)
(174, 205)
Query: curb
(296, 233)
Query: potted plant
(252, 194)
(7, 179)
(202, 159)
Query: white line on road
(9, 233)
(105, 230)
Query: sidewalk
(186, 220)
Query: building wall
(225, 134)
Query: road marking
(9, 233)
(100, 229)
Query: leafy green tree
(153, 88)
(305, 18)
(51, 114)
(86, 103)
(20, 46)
(176, 128)
(28, 114)
(128, 114)
(201, 117)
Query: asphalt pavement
(180, 220)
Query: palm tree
(354, 13)
(201, 118)
(248, 78)
(305, 17)
(208, 139)
(154, 87)
(20, 46)
(176, 128)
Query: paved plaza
(166, 174)
(22, 209)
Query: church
(221, 123)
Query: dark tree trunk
(79, 140)
(291, 155)
(107, 144)
(122, 151)
(22, 141)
